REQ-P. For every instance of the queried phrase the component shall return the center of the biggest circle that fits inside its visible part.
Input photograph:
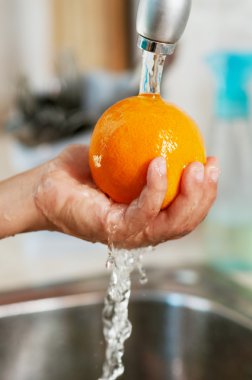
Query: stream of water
(116, 325)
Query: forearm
(18, 211)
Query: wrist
(37, 220)
(18, 210)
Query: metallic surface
(162, 21)
(187, 324)
(155, 47)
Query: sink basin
(188, 324)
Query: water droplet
(97, 161)
(110, 263)
(150, 249)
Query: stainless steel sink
(188, 324)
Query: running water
(116, 325)
(152, 71)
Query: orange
(133, 132)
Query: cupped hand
(71, 203)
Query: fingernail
(161, 166)
(198, 172)
(214, 173)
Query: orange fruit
(133, 132)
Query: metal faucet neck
(155, 47)
(161, 23)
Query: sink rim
(175, 299)
(193, 286)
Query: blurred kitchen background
(62, 63)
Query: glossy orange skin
(133, 132)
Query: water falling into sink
(116, 325)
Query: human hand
(71, 203)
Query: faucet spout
(161, 23)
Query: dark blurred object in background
(47, 117)
(98, 34)
(78, 102)
(96, 63)
(88, 53)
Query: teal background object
(232, 72)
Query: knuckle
(149, 235)
(210, 198)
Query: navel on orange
(133, 132)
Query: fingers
(149, 203)
(212, 173)
(74, 159)
(198, 192)
(151, 199)
(76, 153)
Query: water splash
(139, 264)
(116, 325)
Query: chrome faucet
(161, 23)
